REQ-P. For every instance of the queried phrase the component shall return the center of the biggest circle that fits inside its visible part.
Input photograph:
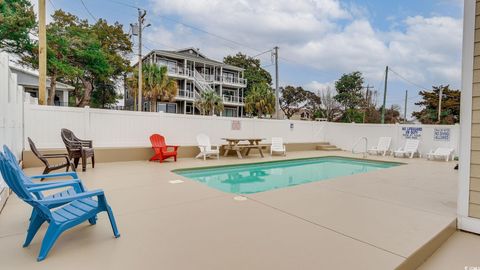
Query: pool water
(259, 177)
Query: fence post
(86, 116)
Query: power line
(125, 4)
(88, 11)
(51, 3)
(409, 81)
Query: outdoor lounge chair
(74, 209)
(45, 157)
(383, 146)
(206, 148)
(75, 184)
(409, 149)
(161, 149)
(441, 152)
(278, 146)
(78, 149)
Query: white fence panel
(11, 112)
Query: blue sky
(319, 40)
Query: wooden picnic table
(242, 150)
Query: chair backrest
(13, 159)
(411, 145)
(204, 141)
(158, 142)
(277, 142)
(443, 151)
(13, 178)
(36, 152)
(384, 143)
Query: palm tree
(260, 100)
(209, 102)
(157, 84)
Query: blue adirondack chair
(37, 188)
(75, 209)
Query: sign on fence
(236, 125)
(412, 132)
(441, 134)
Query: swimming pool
(259, 177)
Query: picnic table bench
(242, 149)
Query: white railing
(201, 83)
(186, 94)
(358, 142)
(233, 99)
(232, 80)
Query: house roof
(192, 54)
(29, 78)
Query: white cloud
(323, 34)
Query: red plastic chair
(161, 149)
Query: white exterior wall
(345, 136)
(108, 128)
(11, 113)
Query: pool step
(326, 146)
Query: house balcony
(232, 81)
(179, 72)
(185, 94)
(233, 100)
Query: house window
(167, 107)
(230, 112)
(189, 109)
(171, 65)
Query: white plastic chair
(441, 152)
(206, 148)
(278, 146)
(409, 149)
(383, 146)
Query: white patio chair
(383, 146)
(441, 152)
(206, 148)
(409, 149)
(278, 146)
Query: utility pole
(137, 29)
(277, 94)
(440, 96)
(385, 95)
(405, 108)
(42, 54)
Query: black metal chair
(78, 149)
(45, 157)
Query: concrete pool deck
(385, 219)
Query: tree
(392, 114)
(17, 20)
(59, 53)
(330, 107)
(313, 104)
(157, 84)
(260, 101)
(349, 93)
(254, 73)
(104, 95)
(209, 103)
(450, 113)
(292, 100)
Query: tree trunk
(87, 93)
(51, 90)
(153, 104)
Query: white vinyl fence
(11, 112)
(110, 128)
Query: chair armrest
(175, 147)
(52, 175)
(75, 183)
(83, 195)
(87, 143)
(55, 155)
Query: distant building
(195, 73)
(29, 81)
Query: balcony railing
(186, 94)
(233, 99)
(232, 80)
